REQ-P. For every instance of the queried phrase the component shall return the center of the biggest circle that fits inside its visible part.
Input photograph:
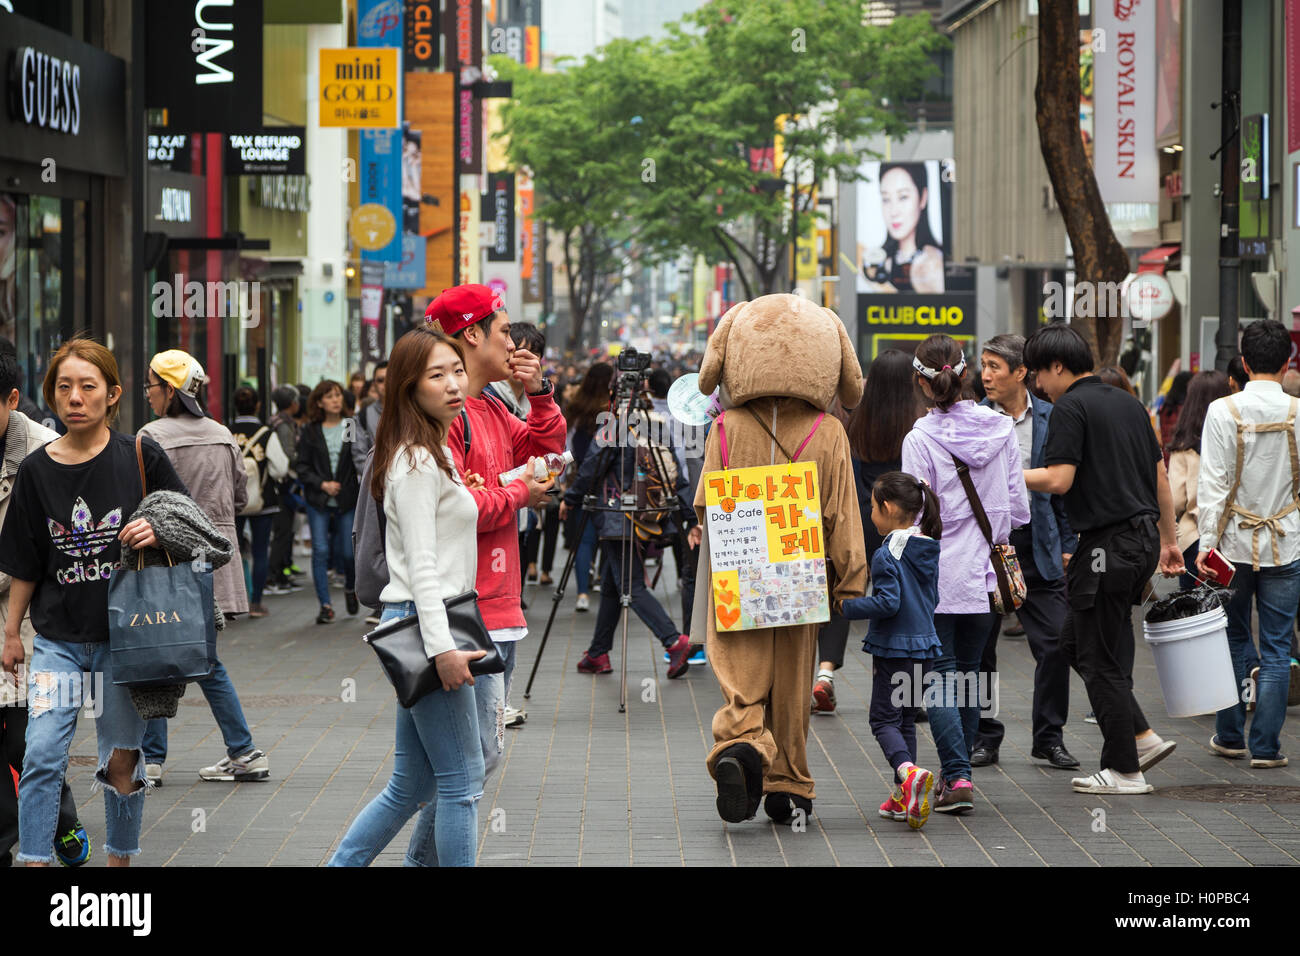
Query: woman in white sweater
(431, 551)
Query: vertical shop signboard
(379, 24)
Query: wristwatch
(547, 388)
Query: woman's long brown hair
(403, 423)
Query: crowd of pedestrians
(1022, 458)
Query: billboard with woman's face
(908, 286)
(904, 221)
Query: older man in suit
(1044, 547)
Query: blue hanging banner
(379, 24)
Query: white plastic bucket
(1194, 663)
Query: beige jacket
(21, 438)
(1184, 472)
(208, 460)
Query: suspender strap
(804, 444)
(722, 439)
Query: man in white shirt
(1249, 512)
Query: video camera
(633, 369)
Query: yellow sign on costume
(766, 546)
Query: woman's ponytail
(931, 523)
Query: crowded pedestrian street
(583, 785)
(753, 435)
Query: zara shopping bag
(162, 628)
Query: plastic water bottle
(544, 466)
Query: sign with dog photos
(766, 546)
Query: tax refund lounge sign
(63, 101)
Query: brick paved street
(583, 784)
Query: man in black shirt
(1103, 458)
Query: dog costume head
(781, 345)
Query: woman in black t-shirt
(61, 541)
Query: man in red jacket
(475, 317)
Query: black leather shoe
(983, 757)
(1057, 756)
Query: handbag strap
(139, 460)
(982, 519)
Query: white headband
(931, 372)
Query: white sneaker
(251, 766)
(515, 717)
(583, 604)
(1232, 753)
(1267, 763)
(373, 619)
(1152, 755)
(1106, 782)
(153, 772)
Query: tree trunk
(1098, 256)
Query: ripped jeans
(57, 689)
(437, 758)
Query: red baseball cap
(460, 307)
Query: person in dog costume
(780, 360)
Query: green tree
(1098, 256)
(731, 70)
(579, 132)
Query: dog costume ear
(849, 389)
(716, 352)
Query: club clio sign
(1125, 159)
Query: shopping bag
(161, 625)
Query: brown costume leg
(795, 654)
(743, 664)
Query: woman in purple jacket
(957, 429)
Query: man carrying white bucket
(1248, 487)
(1102, 458)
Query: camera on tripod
(633, 370)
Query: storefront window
(42, 279)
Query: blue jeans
(56, 692)
(954, 728)
(261, 525)
(438, 756)
(586, 553)
(224, 701)
(1276, 592)
(331, 532)
(490, 694)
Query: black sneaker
(353, 604)
(326, 614)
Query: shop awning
(1158, 259)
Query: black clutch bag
(401, 648)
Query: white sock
(1130, 777)
(826, 676)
